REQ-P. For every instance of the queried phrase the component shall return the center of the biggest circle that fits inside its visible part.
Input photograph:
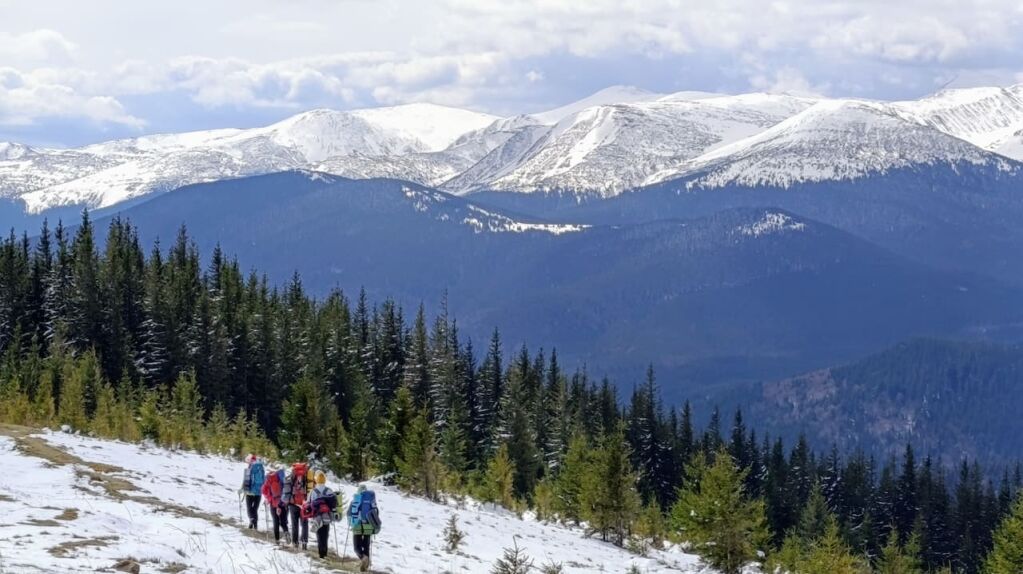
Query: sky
(74, 72)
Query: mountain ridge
(615, 140)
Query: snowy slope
(105, 174)
(833, 140)
(610, 95)
(616, 139)
(991, 118)
(610, 148)
(164, 509)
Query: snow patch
(771, 223)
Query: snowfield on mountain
(75, 504)
(612, 141)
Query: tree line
(110, 341)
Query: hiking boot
(364, 564)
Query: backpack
(273, 488)
(295, 485)
(255, 475)
(363, 513)
(325, 504)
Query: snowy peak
(610, 95)
(9, 150)
(985, 117)
(610, 148)
(614, 140)
(436, 127)
(832, 140)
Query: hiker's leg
(357, 542)
(293, 518)
(305, 532)
(322, 535)
(276, 523)
(253, 503)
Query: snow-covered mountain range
(617, 139)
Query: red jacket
(272, 488)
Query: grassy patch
(68, 514)
(64, 549)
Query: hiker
(273, 490)
(294, 495)
(364, 518)
(252, 486)
(320, 511)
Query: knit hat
(253, 458)
(320, 477)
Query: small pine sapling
(453, 537)
(552, 567)
(514, 561)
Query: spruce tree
(419, 470)
(1007, 555)
(898, 559)
(400, 414)
(72, 410)
(306, 416)
(610, 502)
(499, 480)
(568, 485)
(712, 512)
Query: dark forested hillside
(753, 292)
(953, 399)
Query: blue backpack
(363, 511)
(255, 476)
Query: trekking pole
(348, 531)
(241, 517)
(337, 549)
(266, 518)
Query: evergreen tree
(725, 527)
(306, 416)
(400, 414)
(499, 481)
(419, 470)
(610, 503)
(898, 559)
(1007, 555)
(569, 484)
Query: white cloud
(41, 46)
(788, 81)
(25, 98)
(260, 54)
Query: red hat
(253, 458)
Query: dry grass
(67, 547)
(68, 514)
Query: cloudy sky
(74, 72)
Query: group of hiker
(298, 497)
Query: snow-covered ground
(93, 503)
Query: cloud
(266, 58)
(41, 46)
(24, 98)
(789, 81)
